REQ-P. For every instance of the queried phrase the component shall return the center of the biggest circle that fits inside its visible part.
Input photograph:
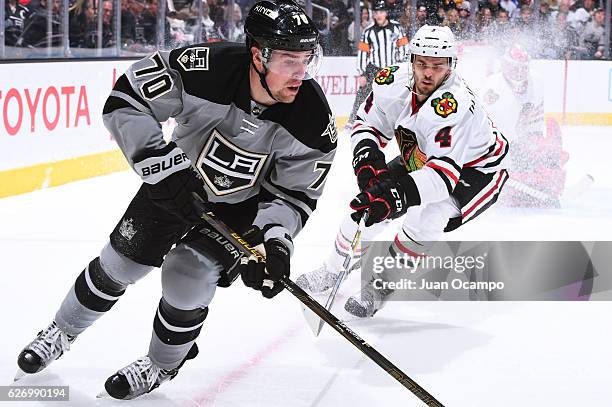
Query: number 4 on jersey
(444, 137)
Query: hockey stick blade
(328, 317)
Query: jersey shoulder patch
(450, 102)
(217, 72)
(445, 104)
(397, 74)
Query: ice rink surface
(257, 352)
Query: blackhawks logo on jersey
(385, 75)
(411, 153)
(445, 105)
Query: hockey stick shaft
(345, 266)
(327, 316)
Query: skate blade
(103, 395)
(19, 375)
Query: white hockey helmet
(434, 41)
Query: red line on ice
(209, 396)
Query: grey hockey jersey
(280, 157)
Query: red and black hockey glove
(170, 182)
(387, 199)
(262, 276)
(369, 164)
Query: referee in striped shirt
(382, 44)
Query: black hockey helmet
(380, 5)
(281, 25)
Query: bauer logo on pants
(226, 168)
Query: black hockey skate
(141, 377)
(49, 345)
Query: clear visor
(300, 65)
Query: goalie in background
(515, 103)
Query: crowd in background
(556, 29)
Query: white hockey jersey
(516, 114)
(437, 139)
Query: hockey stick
(570, 194)
(328, 317)
(315, 323)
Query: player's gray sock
(174, 332)
(97, 289)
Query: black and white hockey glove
(170, 182)
(387, 199)
(369, 164)
(262, 276)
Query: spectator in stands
(591, 43)
(396, 9)
(431, 8)
(15, 15)
(494, 6)
(406, 20)
(338, 34)
(580, 14)
(107, 24)
(233, 27)
(453, 22)
(448, 5)
(35, 27)
(562, 7)
(511, 7)
(525, 21)
(421, 17)
(210, 30)
(138, 24)
(81, 16)
(365, 20)
(564, 40)
(484, 23)
(217, 11)
(464, 16)
(543, 16)
(441, 15)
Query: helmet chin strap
(262, 78)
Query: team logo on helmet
(385, 76)
(412, 155)
(445, 105)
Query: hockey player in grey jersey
(243, 147)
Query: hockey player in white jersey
(514, 100)
(451, 166)
(254, 142)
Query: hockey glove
(388, 199)
(170, 182)
(264, 276)
(369, 164)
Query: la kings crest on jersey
(227, 168)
